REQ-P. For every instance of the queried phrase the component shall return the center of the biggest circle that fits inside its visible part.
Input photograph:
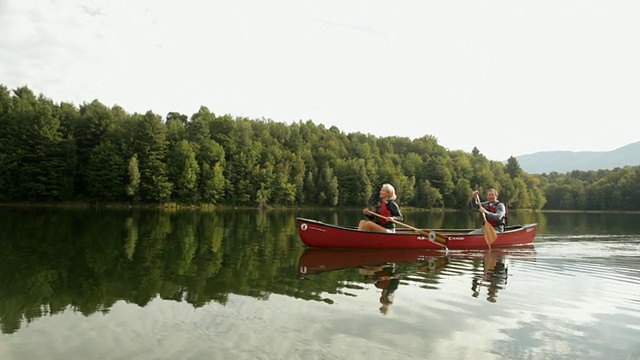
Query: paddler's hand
(366, 211)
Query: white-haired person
(388, 210)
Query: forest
(94, 154)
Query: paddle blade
(489, 233)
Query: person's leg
(371, 226)
(362, 224)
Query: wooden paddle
(489, 232)
(431, 235)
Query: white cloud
(509, 78)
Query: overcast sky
(509, 77)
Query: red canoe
(317, 234)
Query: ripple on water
(590, 272)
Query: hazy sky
(509, 77)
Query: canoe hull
(317, 234)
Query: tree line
(58, 152)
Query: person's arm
(473, 201)
(499, 214)
(394, 209)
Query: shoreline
(210, 207)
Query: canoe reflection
(313, 261)
(387, 268)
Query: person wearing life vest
(387, 207)
(493, 209)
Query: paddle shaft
(489, 232)
(442, 238)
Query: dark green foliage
(427, 196)
(617, 189)
(353, 182)
(57, 152)
(328, 188)
(35, 158)
(183, 171)
(92, 125)
(86, 261)
(106, 173)
(213, 183)
(513, 168)
(150, 145)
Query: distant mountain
(567, 161)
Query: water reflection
(494, 276)
(386, 279)
(54, 260)
(390, 269)
(314, 261)
(239, 284)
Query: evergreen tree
(105, 173)
(513, 168)
(183, 171)
(150, 145)
(94, 122)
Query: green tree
(183, 171)
(94, 122)
(440, 177)
(513, 168)
(328, 188)
(242, 164)
(37, 162)
(355, 187)
(427, 196)
(150, 145)
(105, 173)
(176, 129)
(213, 183)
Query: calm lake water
(116, 284)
